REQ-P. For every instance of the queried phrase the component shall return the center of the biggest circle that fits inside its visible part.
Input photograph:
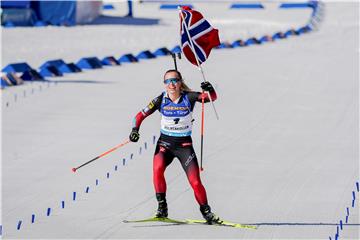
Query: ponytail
(184, 87)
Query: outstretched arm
(147, 111)
(140, 116)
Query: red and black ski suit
(175, 141)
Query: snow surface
(285, 151)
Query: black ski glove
(206, 86)
(134, 135)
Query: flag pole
(197, 60)
(202, 94)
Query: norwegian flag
(203, 36)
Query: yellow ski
(222, 223)
(155, 219)
(191, 221)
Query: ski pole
(174, 57)
(101, 155)
(202, 130)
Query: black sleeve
(193, 98)
(153, 105)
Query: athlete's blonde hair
(183, 87)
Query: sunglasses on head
(171, 80)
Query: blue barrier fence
(59, 67)
(247, 6)
(295, 5)
(174, 6)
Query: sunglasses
(171, 80)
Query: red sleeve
(138, 119)
(196, 97)
(212, 94)
(206, 96)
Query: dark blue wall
(56, 12)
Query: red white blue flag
(203, 37)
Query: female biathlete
(176, 105)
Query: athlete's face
(171, 85)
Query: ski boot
(209, 216)
(162, 211)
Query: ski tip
(156, 219)
(73, 170)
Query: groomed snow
(285, 151)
